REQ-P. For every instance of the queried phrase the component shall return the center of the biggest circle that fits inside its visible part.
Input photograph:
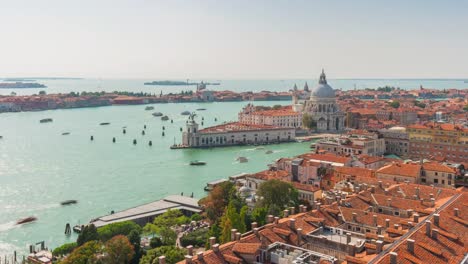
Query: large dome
(323, 90)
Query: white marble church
(322, 107)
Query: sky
(238, 39)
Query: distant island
(18, 80)
(177, 83)
(20, 85)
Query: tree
(196, 217)
(466, 107)
(394, 104)
(309, 122)
(85, 254)
(215, 231)
(64, 249)
(89, 233)
(173, 255)
(42, 92)
(119, 250)
(196, 238)
(277, 194)
(168, 236)
(135, 239)
(155, 242)
(244, 219)
(226, 227)
(121, 228)
(259, 215)
(276, 107)
(217, 200)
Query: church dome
(323, 90)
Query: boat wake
(8, 226)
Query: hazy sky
(236, 39)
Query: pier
(146, 213)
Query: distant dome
(397, 128)
(323, 90)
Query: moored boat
(201, 109)
(157, 114)
(268, 152)
(104, 123)
(197, 163)
(164, 118)
(185, 113)
(46, 120)
(26, 220)
(65, 133)
(149, 108)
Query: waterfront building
(234, 133)
(355, 142)
(282, 117)
(396, 141)
(322, 107)
(438, 140)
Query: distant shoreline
(177, 83)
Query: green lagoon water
(39, 167)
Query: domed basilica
(322, 107)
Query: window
(436, 180)
(396, 213)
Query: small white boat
(242, 159)
(259, 148)
(197, 163)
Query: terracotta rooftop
(401, 169)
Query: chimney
(435, 234)
(409, 212)
(212, 241)
(348, 238)
(238, 236)
(162, 260)
(432, 201)
(389, 202)
(354, 217)
(379, 230)
(188, 259)
(416, 218)
(416, 189)
(393, 258)
(292, 223)
(200, 256)
(387, 223)
(216, 247)
(292, 210)
(299, 236)
(269, 219)
(380, 238)
(410, 245)
(374, 217)
(396, 226)
(318, 206)
(276, 220)
(428, 228)
(380, 184)
(285, 213)
(190, 250)
(255, 231)
(233, 234)
(386, 191)
(372, 189)
(436, 219)
(431, 195)
(254, 225)
(379, 245)
(456, 212)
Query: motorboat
(77, 229)
(68, 202)
(164, 118)
(242, 159)
(197, 163)
(26, 220)
(65, 133)
(104, 123)
(46, 120)
(149, 108)
(201, 109)
(157, 114)
(185, 113)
